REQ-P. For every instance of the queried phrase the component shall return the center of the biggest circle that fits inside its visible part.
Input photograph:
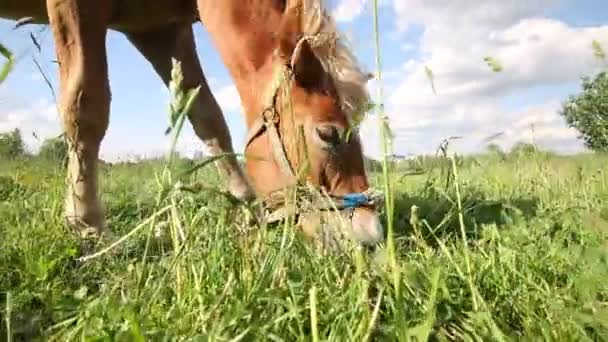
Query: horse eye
(329, 134)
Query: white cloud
(475, 126)
(531, 52)
(454, 15)
(228, 98)
(471, 100)
(114, 148)
(37, 120)
(348, 10)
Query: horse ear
(295, 49)
(290, 28)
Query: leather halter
(268, 122)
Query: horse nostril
(329, 134)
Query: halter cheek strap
(269, 121)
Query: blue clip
(354, 200)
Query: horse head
(305, 133)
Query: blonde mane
(337, 59)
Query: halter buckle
(270, 116)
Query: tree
(521, 148)
(588, 112)
(493, 148)
(54, 149)
(12, 145)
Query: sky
(543, 46)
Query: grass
(509, 249)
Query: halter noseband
(268, 122)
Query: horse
(298, 82)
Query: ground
(505, 248)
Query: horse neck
(242, 32)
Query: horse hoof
(84, 230)
(242, 191)
(88, 236)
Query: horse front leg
(79, 30)
(159, 46)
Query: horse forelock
(337, 58)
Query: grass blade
(8, 65)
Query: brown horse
(298, 84)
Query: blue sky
(543, 45)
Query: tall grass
(8, 64)
(516, 250)
(385, 136)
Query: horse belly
(128, 15)
(17, 9)
(140, 15)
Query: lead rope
(310, 199)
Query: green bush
(495, 151)
(54, 149)
(12, 145)
(522, 149)
(9, 188)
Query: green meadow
(489, 247)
